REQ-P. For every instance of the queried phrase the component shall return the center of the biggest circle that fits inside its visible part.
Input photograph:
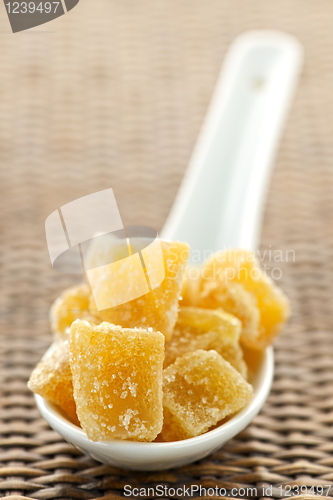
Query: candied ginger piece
(205, 329)
(227, 269)
(117, 379)
(52, 379)
(253, 358)
(71, 305)
(158, 308)
(191, 286)
(199, 390)
(234, 299)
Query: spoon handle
(221, 199)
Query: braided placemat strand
(112, 95)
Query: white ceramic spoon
(220, 204)
(221, 199)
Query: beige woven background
(113, 95)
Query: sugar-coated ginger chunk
(233, 298)
(220, 276)
(158, 308)
(191, 286)
(199, 390)
(117, 379)
(253, 358)
(198, 328)
(214, 294)
(71, 305)
(52, 379)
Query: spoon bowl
(158, 456)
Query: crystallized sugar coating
(205, 329)
(117, 378)
(200, 389)
(216, 293)
(52, 379)
(191, 286)
(233, 298)
(226, 269)
(71, 305)
(157, 309)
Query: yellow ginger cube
(117, 379)
(158, 307)
(199, 390)
(191, 286)
(234, 299)
(253, 358)
(198, 328)
(71, 305)
(52, 379)
(235, 281)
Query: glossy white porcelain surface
(221, 199)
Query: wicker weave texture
(113, 95)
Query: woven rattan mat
(113, 95)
